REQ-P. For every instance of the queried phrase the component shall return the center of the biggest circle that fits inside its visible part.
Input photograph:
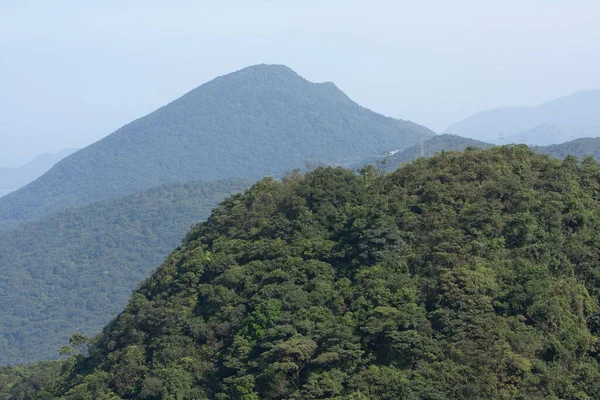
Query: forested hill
(262, 120)
(468, 275)
(580, 147)
(70, 271)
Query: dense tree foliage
(259, 121)
(32, 382)
(468, 275)
(71, 271)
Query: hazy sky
(73, 71)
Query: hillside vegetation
(71, 271)
(580, 147)
(468, 275)
(260, 121)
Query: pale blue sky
(73, 71)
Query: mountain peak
(263, 72)
(271, 74)
(258, 82)
(261, 68)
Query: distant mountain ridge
(553, 133)
(262, 120)
(580, 148)
(14, 178)
(581, 109)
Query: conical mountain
(468, 275)
(262, 120)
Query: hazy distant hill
(69, 271)
(579, 148)
(14, 178)
(430, 147)
(262, 120)
(553, 133)
(435, 145)
(581, 108)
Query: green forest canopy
(578, 147)
(468, 275)
(71, 271)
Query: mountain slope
(430, 147)
(463, 276)
(69, 271)
(14, 178)
(581, 108)
(262, 120)
(579, 148)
